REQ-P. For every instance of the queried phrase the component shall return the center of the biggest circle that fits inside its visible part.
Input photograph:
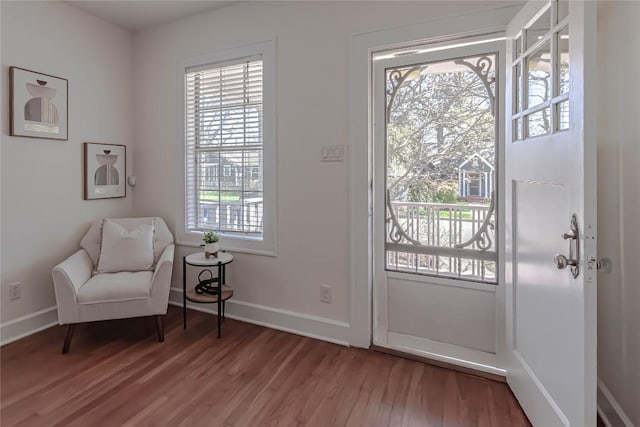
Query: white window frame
(267, 245)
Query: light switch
(332, 153)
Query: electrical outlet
(325, 293)
(15, 290)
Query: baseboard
(24, 326)
(284, 320)
(609, 409)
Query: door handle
(573, 260)
(561, 262)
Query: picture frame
(38, 105)
(104, 170)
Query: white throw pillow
(125, 249)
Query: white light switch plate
(332, 153)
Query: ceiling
(141, 14)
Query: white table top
(199, 259)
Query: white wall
(43, 212)
(619, 203)
(312, 110)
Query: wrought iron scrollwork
(396, 232)
(482, 237)
(396, 78)
(482, 68)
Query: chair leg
(67, 339)
(159, 328)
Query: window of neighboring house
(227, 123)
(475, 187)
(211, 172)
(255, 173)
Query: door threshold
(440, 363)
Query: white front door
(551, 212)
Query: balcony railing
(451, 240)
(235, 216)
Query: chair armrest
(70, 275)
(164, 268)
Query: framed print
(38, 105)
(105, 168)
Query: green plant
(210, 237)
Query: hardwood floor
(117, 374)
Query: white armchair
(84, 296)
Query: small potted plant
(211, 240)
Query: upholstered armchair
(85, 293)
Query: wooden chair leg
(67, 339)
(159, 328)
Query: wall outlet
(15, 290)
(325, 293)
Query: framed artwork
(38, 105)
(105, 168)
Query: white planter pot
(211, 249)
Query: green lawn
(455, 215)
(214, 196)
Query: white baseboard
(609, 409)
(284, 320)
(24, 326)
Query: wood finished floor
(117, 374)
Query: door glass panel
(439, 171)
(539, 28)
(563, 60)
(539, 76)
(517, 129)
(539, 123)
(563, 9)
(517, 78)
(517, 47)
(563, 115)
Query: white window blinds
(224, 147)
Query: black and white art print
(39, 105)
(105, 167)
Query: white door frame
(490, 21)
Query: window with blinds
(224, 147)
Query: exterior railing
(452, 240)
(233, 216)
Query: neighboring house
(240, 205)
(229, 175)
(475, 178)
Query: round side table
(198, 259)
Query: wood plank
(116, 373)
